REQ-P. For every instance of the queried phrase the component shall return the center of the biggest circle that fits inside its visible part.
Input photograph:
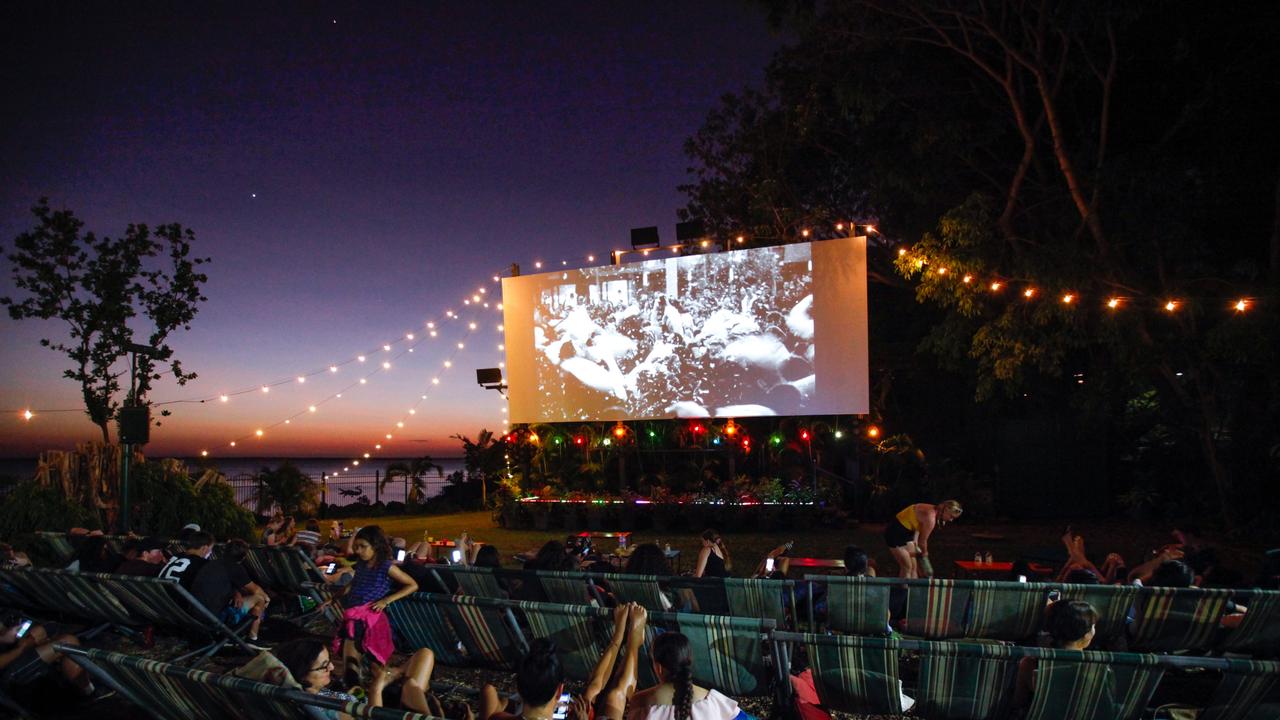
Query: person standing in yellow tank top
(907, 535)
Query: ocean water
(342, 487)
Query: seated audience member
(856, 563)
(713, 558)
(649, 559)
(222, 586)
(365, 632)
(1070, 624)
(11, 559)
(148, 558)
(95, 556)
(271, 533)
(676, 697)
(551, 556)
(1178, 574)
(309, 539)
(488, 556)
(288, 533)
(310, 665)
(540, 677)
(26, 659)
(781, 564)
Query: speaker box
(489, 376)
(134, 424)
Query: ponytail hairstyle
(377, 540)
(671, 651)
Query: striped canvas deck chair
(1111, 602)
(859, 606)
(1005, 610)
(59, 545)
(641, 589)
(486, 628)
(570, 588)
(708, 594)
(1259, 631)
(1075, 685)
(477, 581)
(1249, 690)
(855, 674)
(69, 593)
(936, 608)
(169, 692)
(580, 633)
(417, 623)
(1171, 619)
(728, 652)
(290, 571)
(759, 598)
(966, 680)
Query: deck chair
(1171, 619)
(1248, 691)
(936, 608)
(855, 674)
(728, 652)
(1005, 610)
(1112, 603)
(59, 545)
(169, 692)
(760, 598)
(572, 588)
(129, 602)
(289, 570)
(419, 624)
(859, 606)
(966, 680)
(1259, 630)
(475, 581)
(580, 632)
(486, 628)
(640, 589)
(1075, 685)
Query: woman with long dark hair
(676, 697)
(369, 593)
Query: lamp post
(134, 426)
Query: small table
(823, 563)
(975, 568)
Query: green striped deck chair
(728, 652)
(855, 674)
(565, 587)
(1111, 602)
(477, 581)
(709, 595)
(69, 593)
(640, 589)
(1248, 691)
(936, 608)
(580, 632)
(1259, 631)
(1005, 610)
(1075, 685)
(60, 545)
(10, 595)
(417, 623)
(486, 628)
(858, 606)
(1171, 619)
(290, 571)
(758, 597)
(170, 692)
(966, 680)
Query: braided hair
(671, 650)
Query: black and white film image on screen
(723, 334)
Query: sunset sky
(354, 172)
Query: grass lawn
(1134, 541)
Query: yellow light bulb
(1241, 305)
(804, 233)
(902, 251)
(968, 279)
(1068, 299)
(591, 258)
(447, 363)
(460, 346)
(435, 381)
(400, 424)
(360, 358)
(333, 368)
(204, 453)
(223, 398)
(388, 436)
(259, 433)
(471, 326)
(386, 348)
(266, 389)
(1113, 303)
(839, 226)
(312, 408)
(363, 381)
(1029, 293)
(942, 271)
(995, 286)
(27, 414)
(1171, 305)
(409, 336)
(430, 325)
(301, 379)
(741, 239)
(233, 443)
(386, 366)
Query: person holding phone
(27, 655)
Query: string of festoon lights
(478, 300)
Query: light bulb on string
(1241, 305)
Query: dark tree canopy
(1101, 151)
(110, 293)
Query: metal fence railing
(347, 489)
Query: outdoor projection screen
(766, 331)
